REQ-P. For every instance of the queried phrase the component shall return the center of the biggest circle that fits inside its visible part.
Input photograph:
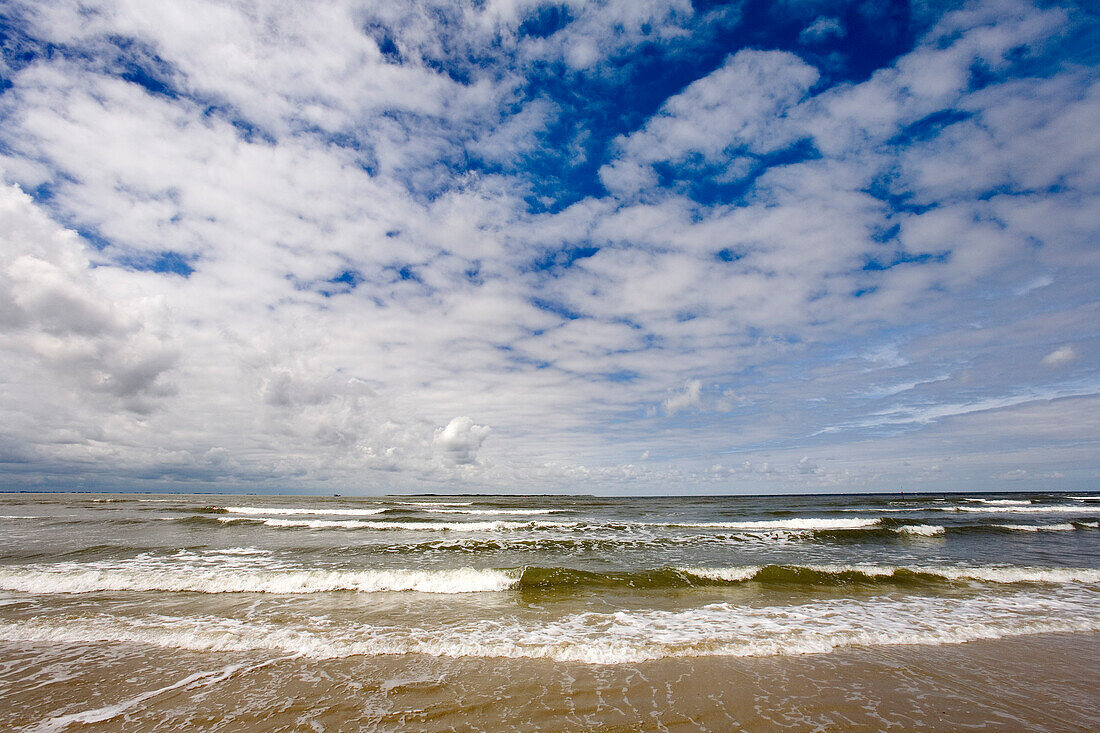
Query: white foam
(435, 503)
(981, 573)
(728, 575)
(19, 516)
(995, 574)
(239, 551)
(95, 577)
(494, 526)
(326, 511)
(493, 511)
(797, 524)
(1043, 509)
(110, 712)
(1001, 502)
(310, 523)
(924, 530)
(722, 629)
(1063, 527)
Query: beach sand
(1041, 682)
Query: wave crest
(721, 629)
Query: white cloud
(1060, 356)
(823, 27)
(737, 106)
(296, 153)
(57, 313)
(688, 396)
(461, 439)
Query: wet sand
(1042, 682)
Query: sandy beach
(1043, 682)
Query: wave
(494, 511)
(624, 636)
(195, 579)
(1002, 502)
(308, 523)
(1044, 509)
(326, 511)
(169, 576)
(990, 507)
(435, 503)
(1063, 527)
(923, 530)
(239, 551)
(798, 524)
(839, 574)
(493, 526)
(936, 529)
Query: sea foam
(1062, 527)
(923, 530)
(72, 578)
(493, 512)
(491, 526)
(263, 575)
(307, 523)
(797, 524)
(1033, 509)
(435, 503)
(327, 511)
(597, 637)
(812, 573)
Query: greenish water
(564, 580)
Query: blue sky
(619, 247)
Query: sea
(429, 612)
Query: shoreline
(1043, 681)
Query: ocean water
(137, 611)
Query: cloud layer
(377, 247)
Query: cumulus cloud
(461, 439)
(64, 316)
(287, 243)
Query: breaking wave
(720, 629)
(1044, 509)
(923, 530)
(798, 524)
(211, 578)
(326, 511)
(498, 525)
(74, 579)
(493, 512)
(1062, 527)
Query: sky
(623, 247)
